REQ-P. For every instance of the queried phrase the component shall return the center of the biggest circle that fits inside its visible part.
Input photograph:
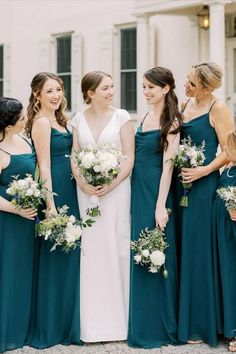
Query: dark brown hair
(160, 76)
(10, 112)
(91, 81)
(34, 105)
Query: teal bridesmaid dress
(197, 303)
(224, 233)
(56, 318)
(17, 237)
(153, 299)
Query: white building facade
(121, 37)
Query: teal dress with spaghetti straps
(153, 299)
(17, 238)
(224, 236)
(197, 301)
(56, 314)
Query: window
(1, 70)
(128, 69)
(63, 62)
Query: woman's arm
(222, 121)
(41, 135)
(161, 213)
(127, 143)
(85, 187)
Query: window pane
(64, 54)
(1, 88)
(1, 62)
(67, 85)
(128, 91)
(128, 48)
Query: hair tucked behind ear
(10, 112)
(171, 118)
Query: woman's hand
(28, 213)
(162, 217)
(51, 211)
(88, 188)
(190, 175)
(232, 214)
(106, 188)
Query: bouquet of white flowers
(150, 250)
(63, 230)
(26, 192)
(228, 194)
(98, 165)
(188, 155)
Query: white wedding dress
(105, 251)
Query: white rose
(36, 193)
(88, 160)
(145, 253)
(73, 234)
(153, 269)
(48, 233)
(96, 168)
(72, 219)
(29, 192)
(21, 183)
(157, 258)
(137, 258)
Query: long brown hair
(34, 104)
(160, 76)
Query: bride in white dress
(105, 251)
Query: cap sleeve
(75, 121)
(124, 116)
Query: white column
(195, 48)
(217, 35)
(142, 60)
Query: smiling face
(51, 95)
(104, 93)
(154, 94)
(191, 84)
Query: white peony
(137, 258)
(157, 258)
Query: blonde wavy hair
(208, 75)
(231, 140)
(34, 104)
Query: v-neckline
(90, 131)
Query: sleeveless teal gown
(224, 233)
(153, 299)
(197, 303)
(17, 237)
(56, 318)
